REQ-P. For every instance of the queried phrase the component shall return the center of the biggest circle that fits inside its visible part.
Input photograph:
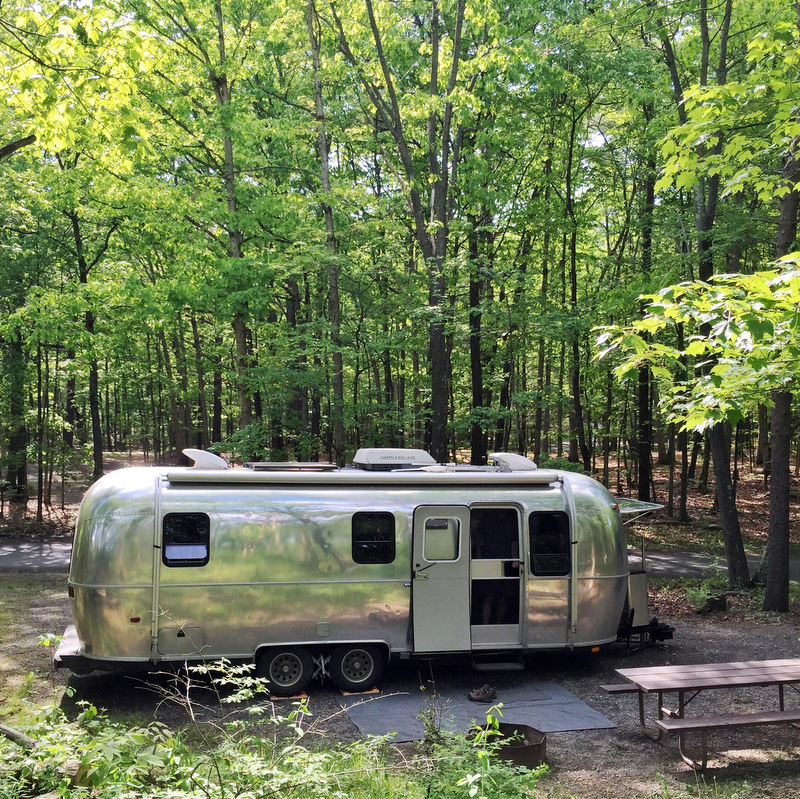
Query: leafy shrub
(94, 756)
(467, 766)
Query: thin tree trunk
(222, 92)
(478, 448)
(777, 574)
(702, 481)
(184, 431)
(671, 461)
(334, 304)
(645, 429)
(202, 402)
(70, 409)
(216, 400)
(39, 437)
(84, 268)
(738, 574)
(776, 597)
(433, 246)
(607, 427)
(542, 398)
(174, 411)
(18, 430)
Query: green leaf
(696, 347)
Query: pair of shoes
(486, 693)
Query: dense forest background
(289, 229)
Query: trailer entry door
(495, 571)
(440, 588)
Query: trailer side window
(550, 545)
(373, 538)
(186, 539)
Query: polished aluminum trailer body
(170, 564)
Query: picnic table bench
(690, 680)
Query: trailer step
(504, 662)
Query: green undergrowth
(699, 591)
(705, 788)
(697, 537)
(252, 753)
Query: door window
(441, 539)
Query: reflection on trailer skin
(342, 567)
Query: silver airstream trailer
(307, 568)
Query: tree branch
(9, 149)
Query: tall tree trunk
(706, 196)
(777, 575)
(222, 92)
(184, 431)
(776, 597)
(645, 429)
(548, 381)
(203, 438)
(70, 408)
(478, 448)
(84, 267)
(738, 574)
(174, 410)
(18, 430)
(671, 462)
(216, 404)
(39, 437)
(644, 434)
(334, 304)
(578, 434)
(607, 426)
(683, 441)
(542, 397)
(440, 159)
(295, 403)
(683, 513)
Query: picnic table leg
(781, 705)
(656, 736)
(696, 765)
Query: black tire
(288, 670)
(357, 667)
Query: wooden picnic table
(687, 681)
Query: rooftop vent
(205, 460)
(511, 462)
(387, 459)
(291, 466)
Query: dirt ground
(617, 763)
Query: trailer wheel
(357, 667)
(289, 671)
